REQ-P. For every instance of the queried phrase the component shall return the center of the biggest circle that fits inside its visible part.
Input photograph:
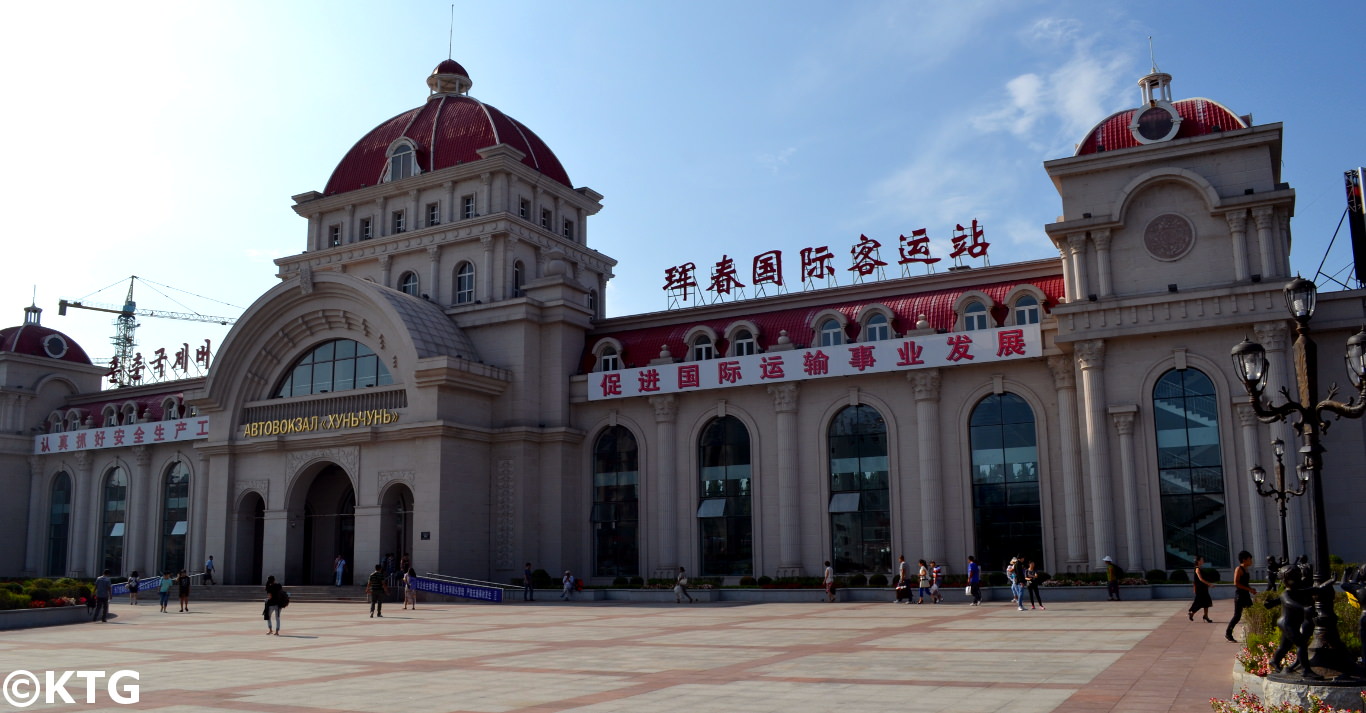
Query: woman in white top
(409, 594)
(829, 582)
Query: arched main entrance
(396, 522)
(322, 526)
(251, 539)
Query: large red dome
(449, 129)
(1198, 117)
(33, 339)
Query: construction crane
(126, 326)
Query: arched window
(743, 344)
(59, 525)
(1026, 310)
(832, 335)
(519, 279)
(876, 329)
(175, 517)
(114, 521)
(401, 163)
(616, 496)
(609, 360)
(464, 284)
(860, 506)
(702, 348)
(1190, 469)
(407, 284)
(975, 317)
(338, 365)
(1005, 481)
(723, 515)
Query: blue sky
(165, 139)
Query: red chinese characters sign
(137, 434)
(920, 352)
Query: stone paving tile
(1014, 640)
(998, 666)
(766, 637)
(784, 697)
(637, 659)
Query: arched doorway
(324, 528)
(396, 522)
(251, 539)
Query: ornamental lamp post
(1307, 415)
(1279, 492)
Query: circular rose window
(1168, 237)
(55, 346)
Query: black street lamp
(1327, 653)
(1279, 492)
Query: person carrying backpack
(276, 599)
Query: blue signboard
(121, 588)
(464, 591)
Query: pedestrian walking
(528, 589)
(1243, 592)
(1016, 577)
(974, 580)
(209, 569)
(1202, 599)
(1112, 572)
(339, 568)
(1032, 583)
(103, 586)
(681, 587)
(567, 586)
(164, 590)
(378, 589)
(903, 572)
(936, 574)
(276, 599)
(829, 579)
(183, 581)
(924, 582)
(133, 587)
(409, 588)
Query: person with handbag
(681, 586)
(974, 581)
(1032, 583)
(1202, 598)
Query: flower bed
(1244, 702)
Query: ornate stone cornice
(1247, 416)
(1273, 336)
(1101, 238)
(261, 486)
(925, 384)
(348, 457)
(1091, 353)
(1263, 215)
(142, 455)
(666, 407)
(1124, 422)
(784, 397)
(1077, 243)
(1063, 370)
(1237, 221)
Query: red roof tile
(1198, 117)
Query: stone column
(1275, 338)
(1077, 247)
(379, 225)
(367, 547)
(275, 533)
(1101, 239)
(1123, 417)
(452, 212)
(1237, 231)
(138, 539)
(484, 207)
(1283, 220)
(349, 225)
(1091, 358)
(385, 262)
(925, 384)
(1265, 216)
(196, 544)
(666, 482)
(315, 238)
(37, 516)
(82, 510)
(1247, 421)
(1069, 445)
(413, 219)
(789, 484)
(1069, 286)
(484, 284)
(433, 274)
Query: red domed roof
(450, 66)
(33, 339)
(1198, 117)
(447, 130)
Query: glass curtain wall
(1190, 470)
(616, 504)
(724, 511)
(1007, 520)
(860, 505)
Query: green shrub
(619, 582)
(748, 581)
(877, 580)
(13, 600)
(1179, 576)
(1155, 575)
(38, 594)
(40, 583)
(765, 580)
(637, 582)
(858, 580)
(16, 587)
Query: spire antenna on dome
(1151, 56)
(450, 38)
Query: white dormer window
(1026, 310)
(876, 329)
(832, 335)
(743, 344)
(975, 317)
(610, 360)
(402, 163)
(702, 348)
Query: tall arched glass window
(464, 284)
(407, 284)
(1190, 469)
(114, 522)
(1006, 517)
(616, 498)
(723, 515)
(59, 525)
(338, 365)
(860, 505)
(175, 517)
(831, 333)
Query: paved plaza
(604, 657)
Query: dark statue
(1354, 583)
(1273, 568)
(1297, 615)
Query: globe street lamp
(1307, 415)
(1279, 492)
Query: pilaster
(1091, 358)
(925, 385)
(1123, 418)
(1074, 515)
(1237, 232)
(789, 501)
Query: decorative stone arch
(1186, 177)
(171, 408)
(821, 317)
(109, 416)
(968, 297)
(700, 330)
(601, 347)
(738, 326)
(74, 419)
(901, 521)
(646, 493)
(56, 422)
(1019, 291)
(866, 312)
(688, 469)
(303, 466)
(128, 413)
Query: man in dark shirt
(103, 586)
(378, 589)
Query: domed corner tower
(1171, 196)
(458, 203)
(40, 369)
